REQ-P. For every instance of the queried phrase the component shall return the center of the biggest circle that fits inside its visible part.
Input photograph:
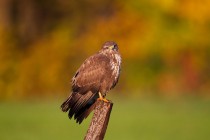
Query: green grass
(130, 120)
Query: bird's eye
(115, 47)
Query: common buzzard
(95, 77)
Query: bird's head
(110, 45)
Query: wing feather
(90, 74)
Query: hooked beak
(111, 47)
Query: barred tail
(66, 105)
(79, 105)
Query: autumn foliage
(165, 44)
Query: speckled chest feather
(115, 63)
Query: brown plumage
(99, 73)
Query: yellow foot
(102, 98)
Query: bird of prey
(96, 76)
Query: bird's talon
(103, 99)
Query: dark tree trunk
(5, 13)
(99, 122)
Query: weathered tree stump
(99, 122)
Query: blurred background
(164, 88)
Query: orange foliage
(164, 45)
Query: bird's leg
(102, 98)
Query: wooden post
(99, 122)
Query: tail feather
(73, 103)
(85, 114)
(79, 105)
(83, 101)
(66, 105)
